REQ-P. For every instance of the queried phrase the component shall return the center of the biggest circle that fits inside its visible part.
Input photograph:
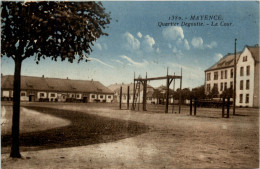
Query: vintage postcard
(130, 84)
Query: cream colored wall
(6, 93)
(219, 80)
(109, 100)
(92, 99)
(39, 93)
(256, 86)
(250, 61)
(24, 98)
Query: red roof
(228, 60)
(255, 52)
(55, 84)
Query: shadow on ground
(85, 129)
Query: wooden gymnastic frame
(169, 79)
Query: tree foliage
(214, 92)
(64, 30)
(199, 92)
(51, 29)
(227, 93)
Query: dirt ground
(173, 141)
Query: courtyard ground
(153, 140)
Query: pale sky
(139, 41)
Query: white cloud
(97, 60)
(140, 64)
(98, 46)
(173, 33)
(192, 72)
(186, 44)
(213, 44)
(118, 61)
(175, 36)
(197, 42)
(177, 52)
(105, 46)
(217, 56)
(131, 42)
(157, 50)
(148, 43)
(139, 35)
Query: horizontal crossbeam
(159, 78)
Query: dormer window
(244, 58)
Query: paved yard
(172, 141)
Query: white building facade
(221, 75)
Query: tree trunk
(15, 151)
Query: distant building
(116, 89)
(55, 89)
(221, 75)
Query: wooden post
(235, 77)
(228, 103)
(173, 94)
(195, 106)
(133, 105)
(120, 99)
(139, 94)
(144, 93)
(191, 106)
(167, 93)
(128, 95)
(180, 92)
(223, 106)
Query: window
(221, 74)
(247, 98)
(248, 70)
(215, 75)
(41, 95)
(93, 96)
(101, 96)
(225, 85)
(208, 76)
(244, 58)
(231, 85)
(52, 95)
(241, 98)
(23, 94)
(72, 95)
(241, 84)
(231, 73)
(221, 86)
(78, 96)
(216, 86)
(109, 97)
(241, 71)
(247, 84)
(225, 74)
(208, 87)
